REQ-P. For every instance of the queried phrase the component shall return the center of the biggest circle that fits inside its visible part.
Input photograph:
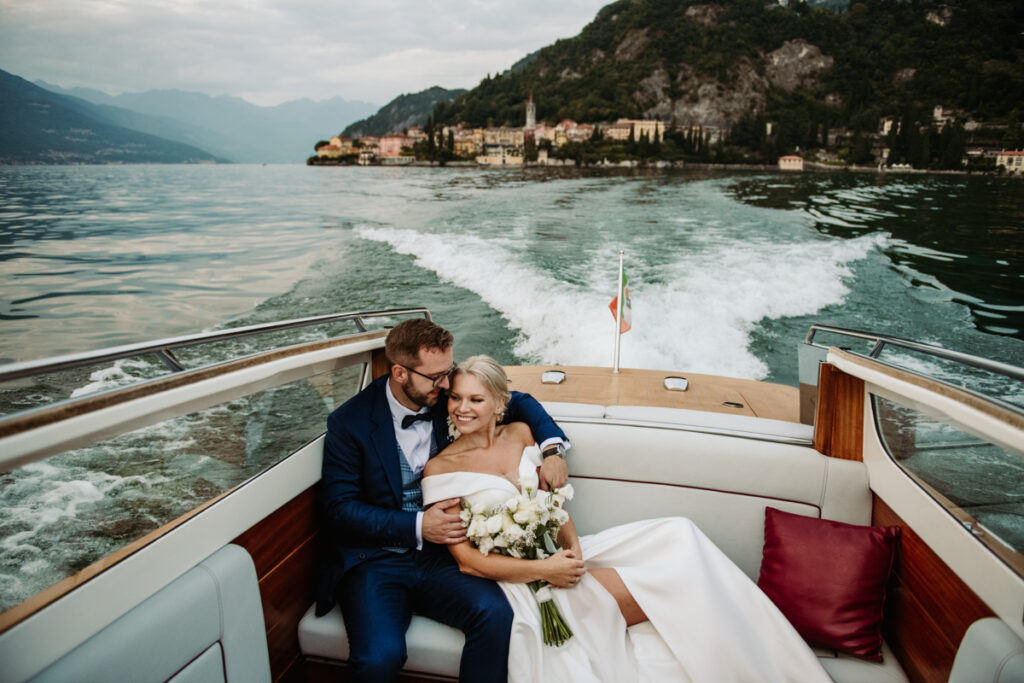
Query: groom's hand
(554, 472)
(440, 526)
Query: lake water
(728, 271)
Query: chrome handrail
(881, 340)
(163, 347)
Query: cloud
(269, 51)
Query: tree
(1012, 139)
(319, 144)
(530, 149)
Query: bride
(649, 601)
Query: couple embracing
(653, 600)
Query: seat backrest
(989, 653)
(207, 625)
(623, 473)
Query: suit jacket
(360, 492)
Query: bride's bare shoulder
(442, 463)
(520, 433)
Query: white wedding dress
(709, 623)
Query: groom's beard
(423, 400)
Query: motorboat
(881, 432)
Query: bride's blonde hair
(491, 375)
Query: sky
(271, 51)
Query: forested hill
(806, 68)
(404, 111)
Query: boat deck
(631, 387)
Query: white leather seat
(989, 653)
(206, 625)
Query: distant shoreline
(809, 166)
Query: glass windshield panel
(61, 514)
(966, 474)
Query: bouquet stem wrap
(556, 631)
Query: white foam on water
(696, 314)
(121, 373)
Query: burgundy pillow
(829, 579)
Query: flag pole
(618, 317)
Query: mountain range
(38, 126)
(229, 127)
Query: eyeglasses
(434, 379)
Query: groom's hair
(404, 341)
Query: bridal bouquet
(525, 526)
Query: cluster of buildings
(501, 145)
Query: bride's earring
(499, 416)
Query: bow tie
(409, 420)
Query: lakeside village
(637, 142)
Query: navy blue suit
(360, 502)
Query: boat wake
(694, 312)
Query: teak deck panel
(600, 386)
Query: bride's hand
(563, 569)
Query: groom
(384, 555)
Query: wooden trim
(89, 404)
(379, 365)
(1013, 558)
(284, 548)
(967, 398)
(928, 607)
(839, 420)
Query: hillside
(402, 112)
(228, 126)
(736, 63)
(38, 126)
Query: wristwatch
(554, 449)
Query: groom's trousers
(378, 598)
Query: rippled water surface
(728, 272)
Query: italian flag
(626, 324)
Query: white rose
(478, 509)
(486, 545)
(560, 516)
(567, 491)
(511, 530)
(494, 523)
(477, 528)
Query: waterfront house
(391, 145)
(328, 152)
(621, 128)
(791, 162)
(369, 150)
(1012, 161)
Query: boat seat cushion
(990, 652)
(704, 419)
(206, 625)
(829, 579)
(435, 649)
